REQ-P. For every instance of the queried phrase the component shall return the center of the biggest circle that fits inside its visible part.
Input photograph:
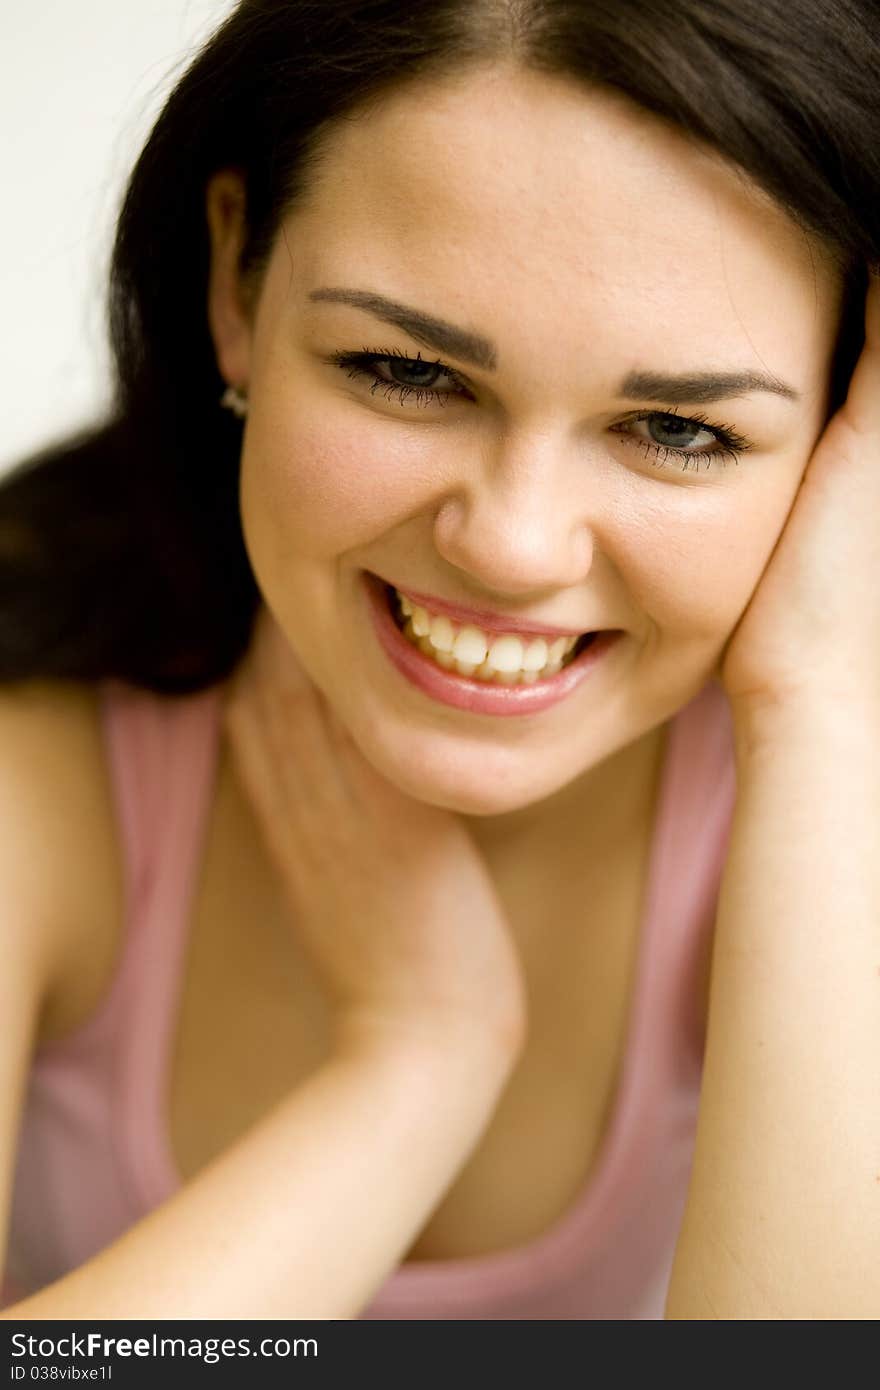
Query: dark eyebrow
(675, 389)
(434, 333)
(701, 387)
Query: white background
(81, 82)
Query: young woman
(441, 790)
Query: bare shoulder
(61, 856)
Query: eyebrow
(701, 387)
(434, 333)
(669, 388)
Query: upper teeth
(474, 651)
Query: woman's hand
(810, 635)
(389, 895)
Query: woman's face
(588, 244)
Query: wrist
(842, 720)
(430, 1040)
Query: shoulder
(61, 847)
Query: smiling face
(585, 242)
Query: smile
(475, 671)
(506, 659)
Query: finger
(862, 407)
(295, 720)
(268, 663)
(284, 669)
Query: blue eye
(728, 443)
(415, 376)
(412, 377)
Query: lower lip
(476, 696)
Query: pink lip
(490, 622)
(475, 696)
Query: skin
(586, 239)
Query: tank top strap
(160, 757)
(135, 731)
(163, 757)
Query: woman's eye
(675, 432)
(675, 436)
(393, 374)
(413, 372)
(687, 439)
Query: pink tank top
(94, 1153)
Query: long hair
(121, 552)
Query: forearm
(307, 1214)
(783, 1210)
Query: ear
(229, 315)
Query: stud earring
(235, 400)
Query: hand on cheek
(810, 634)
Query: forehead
(509, 193)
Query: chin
(457, 780)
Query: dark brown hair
(121, 551)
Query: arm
(307, 1215)
(783, 1210)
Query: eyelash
(357, 364)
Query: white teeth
(473, 647)
(506, 654)
(557, 650)
(470, 646)
(535, 655)
(506, 662)
(421, 622)
(442, 634)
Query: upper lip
(490, 620)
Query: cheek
(319, 487)
(698, 557)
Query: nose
(514, 522)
